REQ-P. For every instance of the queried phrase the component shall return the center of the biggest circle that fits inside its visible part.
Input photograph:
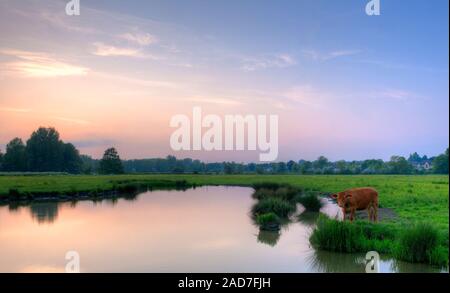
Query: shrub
(262, 193)
(278, 206)
(269, 221)
(418, 243)
(13, 192)
(287, 193)
(337, 236)
(267, 185)
(311, 202)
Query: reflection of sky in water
(206, 229)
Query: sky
(344, 84)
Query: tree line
(44, 151)
(396, 165)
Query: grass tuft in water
(310, 201)
(337, 236)
(278, 206)
(419, 243)
(268, 222)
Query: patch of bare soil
(383, 214)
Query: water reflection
(308, 219)
(268, 237)
(46, 212)
(329, 262)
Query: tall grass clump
(263, 193)
(419, 243)
(278, 206)
(310, 201)
(333, 235)
(267, 185)
(268, 222)
(269, 189)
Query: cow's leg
(369, 213)
(375, 209)
(352, 214)
(375, 212)
(343, 213)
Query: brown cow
(355, 199)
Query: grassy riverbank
(415, 199)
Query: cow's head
(341, 198)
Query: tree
(342, 167)
(72, 162)
(45, 151)
(89, 165)
(414, 158)
(399, 165)
(1, 160)
(292, 166)
(228, 168)
(440, 163)
(320, 164)
(111, 163)
(305, 167)
(15, 158)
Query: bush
(262, 193)
(311, 202)
(418, 243)
(333, 235)
(278, 206)
(267, 189)
(287, 193)
(269, 221)
(267, 185)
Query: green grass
(419, 243)
(269, 221)
(337, 236)
(275, 205)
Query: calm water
(206, 229)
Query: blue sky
(346, 85)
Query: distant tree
(89, 165)
(372, 166)
(440, 164)
(228, 168)
(111, 163)
(305, 167)
(15, 158)
(45, 150)
(72, 162)
(281, 168)
(320, 164)
(1, 161)
(342, 167)
(291, 166)
(179, 167)
(399, 165)
(414, 158)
